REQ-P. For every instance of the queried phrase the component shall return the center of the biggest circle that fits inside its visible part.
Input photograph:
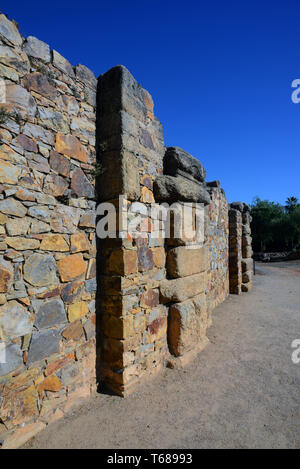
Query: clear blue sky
(219, 72)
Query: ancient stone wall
(47, 239)
(76, 310)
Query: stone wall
(47, 238)
(78, 312)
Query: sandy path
(242, 391)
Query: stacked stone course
(47, 239)
(76, 313)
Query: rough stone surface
(40, 270)
(183, 261)
(43, 344)
(13, 358)
(50, 313)
(180, 289)
(172, 189)
(15, 321)
(178, 162)
(36, 48)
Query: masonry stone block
(181, 289)
(183, 261)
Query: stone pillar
(184, 290)
(130, 156)
(247, 261)
(235, 247)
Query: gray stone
(247, 265)
(178, 162)
(50, 313)
(64, 219)
(13, 357)
(36, 48)
(13, 207)
(40, 212)
(62, 64)
(40, 134)
(9, 32)
(21, 100)
(43, 344)
(86, 75)
(14, 320)
(81, 185)
(91, 285)
(53, 120)
(40, 270)
(173, 189)
(14, 58)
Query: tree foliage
(275, 227)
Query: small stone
(71, 267)
(14, 58)
(13, 359)
(88, 219)
(85, 75)
(50, 313)
(150, 299)
(22, 244)
(72, 292)
(81, 185)
(40, 212)
(53, 120)
(22, 101)
(25, 194)
(39, 83)
(70, 146)
(40, 270)
(37, 49)
(26, 143)
(43, 344)
(77, 310)
(9, 173)
(54, 242)
(55, 185)
(62, 64)
(59, 163)
(74, 331)
(18, 226)
(64, 219)
(39, 133)
(9, 31)
(51, 383)
(147, 196)
(79, 242)
(145, 258)
(15, 320)
(39, 227)
(6, 275)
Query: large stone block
(181, 289)
(182, 261)
(188, 322)
(37, 49)
(9, 31)
(178, 162)
(173, 189)
(121, 170)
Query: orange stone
(147, 196)
(159, 257)
(77, 310)
(71, 267)
(54, 242)
(57, 364)
(51, 383)
(70, 146)
(79, 242)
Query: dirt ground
(242, 391)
